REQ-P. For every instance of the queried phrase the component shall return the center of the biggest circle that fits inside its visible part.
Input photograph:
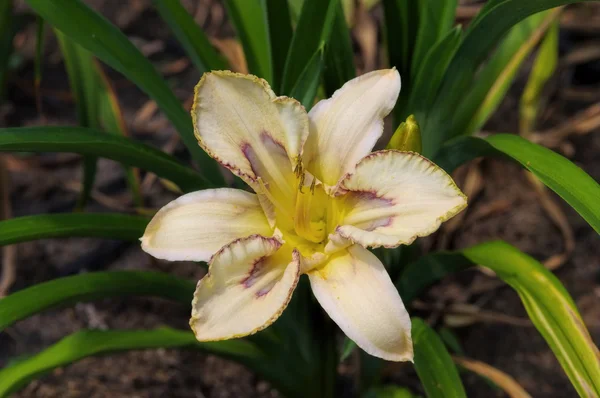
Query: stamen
(304, 226)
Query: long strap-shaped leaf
(93, 143)
(99, 225)
(195, 42)
(280, 36)
(491, 24)
(550, 308)
(547, 302)
(90, 286)
(433, 363)
(93, 32)
(272, 363)
(249, 19)
(312, 33)
(570, 182)
(95, 342)
(84, 87)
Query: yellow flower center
(306, 222)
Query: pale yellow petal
(357, 293)
(196, 225)
(248, 285)
(344, 128)
(240, 122)
(394, 197)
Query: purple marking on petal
(253, 275)
(264, 291)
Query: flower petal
(241, 123)
(357, 293)
(248, 285)
(196, 225)
(344, 128)
(394, 197)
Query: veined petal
(248, 285)
(344, 128)
(240, 122)
(394, 197)
(196, 225)
(357, 293)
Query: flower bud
(407, 136)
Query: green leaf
(249, 19)
(425, 271)
(339, 56)
(95, 342)
(544, 67)
(389, 392)
(279, 369)
(559, 174)
(435, 21)
(311, 35)
(499, 73)
(280, 36)
(424, 89)
(549, 307)
(547, 302)
(100, 225)
(195, 42)
(308, 82)
(84, 86)
(401, 24)
(112, 120)
(93, 143)
(347, 349)
(484, 33)
(94, 33)
(92, 286)
(433, 363)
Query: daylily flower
(321, 199)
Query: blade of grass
(499, 73)
(84, 87)
(339, 56)
(426, 84)
(94, 33)
(87, 343)
(484, 33)
(280, 35)
(195, 42)
(543, 68)
(559, 174)
(111, 119)
(438, 374)
(96, 144)
(99, 225)
(547, 302)
(549, 307)
(435, 21)
(401, 24)
(312, 33)
(250, 23)
(91, 286)
(308, 82)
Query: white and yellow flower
(321, 199)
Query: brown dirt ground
(40, 184)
